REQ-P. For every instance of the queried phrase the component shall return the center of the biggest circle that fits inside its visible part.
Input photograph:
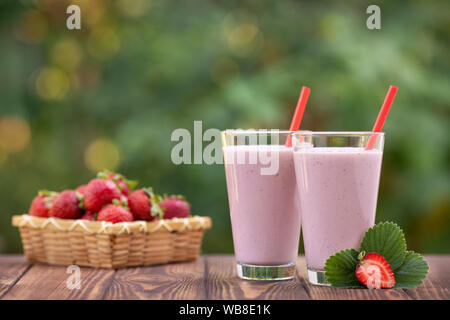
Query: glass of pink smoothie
(262, 195)
(337, 181)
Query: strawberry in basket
(115, 213)
(42, 203)
(89, 215)
(67, 205)
(100, 192)
(109, 197)
(175, 206)
(106, 224)
(122, 183)
(144, 205)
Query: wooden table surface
(210, 277)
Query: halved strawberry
(375, 272)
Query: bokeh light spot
(93, 11)
(32, 28)
(133, 8)
(103, 42)
(15, 135)
(52, 84)
(67, 54)
(331, 27)
(101, 154)
(241, 35)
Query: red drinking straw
(382, 116)
(298, 114)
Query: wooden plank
(184, 280)
(223, 283)
(49, 282)
(12, 268)
(210, 277)
(436, 285)
(328, 293)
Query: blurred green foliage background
(110, 95)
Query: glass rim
(259, 131)
(337, 133)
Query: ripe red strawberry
(66, 206)
(121, 182)
(375, 272)
(175, 207)
(114, 213)
(143, 204)
(38, 207)
(41, 204)
(81, 189)
(88, 216)
(100, 192)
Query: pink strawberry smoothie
(264, 211)
(338, 189)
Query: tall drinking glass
(337, 181)
(262, 196)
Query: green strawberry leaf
(388, 240)
(103, 174)
(131, 183)
(155, 199)
(80, 199)
(412, 272)
(157, 211)
(340, 269)
(45, 192)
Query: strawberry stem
(361, 255)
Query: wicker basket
(106, 245)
